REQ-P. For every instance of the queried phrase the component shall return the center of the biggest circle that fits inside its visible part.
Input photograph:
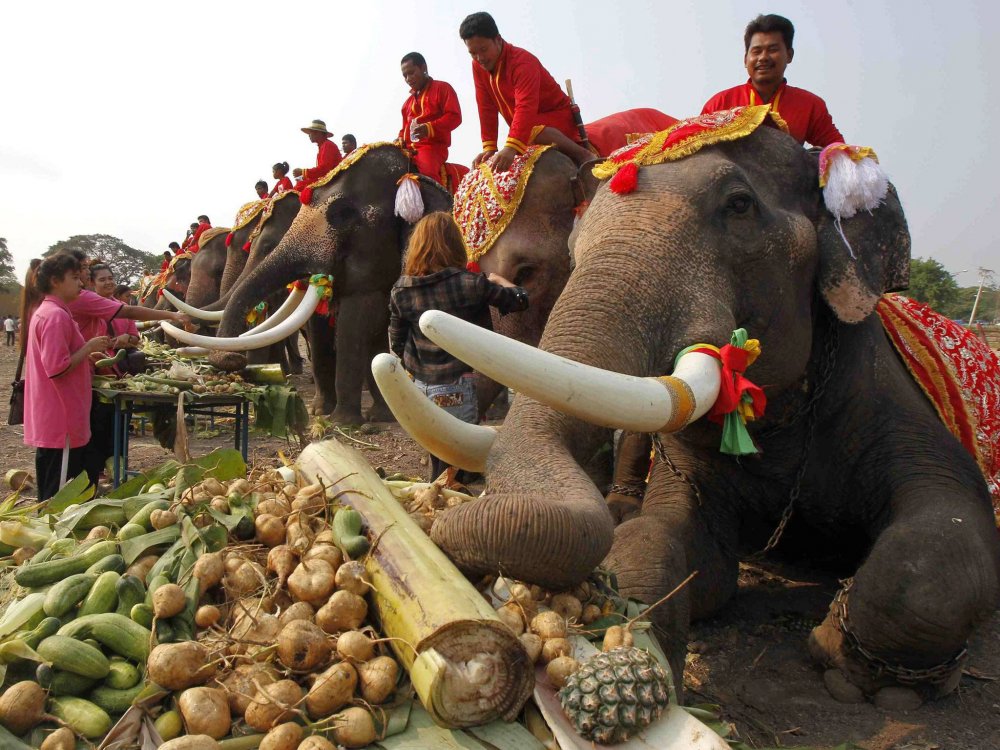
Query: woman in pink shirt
(56, 377)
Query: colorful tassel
(409, 201)
(229, 239)
(246, 246)
(852, 181)
(306, 196)
(626, 179)
(473, 267)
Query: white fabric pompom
(409, 202)
(853, 186)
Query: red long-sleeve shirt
(202, 228)
(525, 94)
(806, 114)
(281, 186)
(327, 157)
(437, 107)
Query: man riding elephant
(430, 114)
(327, 155)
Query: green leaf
(70, 517)
(132, 549)
(75, 491)
(128, 488)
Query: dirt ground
(751, 659)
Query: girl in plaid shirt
(435, 278)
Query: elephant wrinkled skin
(737, 236)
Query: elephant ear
(879, 242)
(435, 197)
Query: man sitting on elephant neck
(204, 224)
(512, 82)
(327, 155)
(189, 236)
(767, 44)
(430, 113)
(348, 143)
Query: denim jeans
(458, 398)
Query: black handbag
(134, 361)
(16, 415)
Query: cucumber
(111, 562)
(51, 571)
(169, 725)
(102, 515)
(130, 591)
(165, 632)
(111, 361)
(74, 656)
(59, 682)
(115, 701)
(48, 626)
(41, 556)
(181, 385)
(82, 716)
(102, 597)
(131, 531)
(142, 614)
(141, 518)
(115, 632)
(66, 594)
(347, 532)
(123, 675)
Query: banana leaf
(75, 491)
(132, 549)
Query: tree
(932, 284)
(126, 262)
(7, 278)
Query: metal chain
(879, 667)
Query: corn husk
(466, 666)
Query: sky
(130, 119)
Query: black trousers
(48, 463)
(10, 338)
(102, 439)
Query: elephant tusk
(192, 351)
(194, 312)
(286, 309)
(257, 341)
(455, 442)
(601, 397)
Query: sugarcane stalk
(466, 666)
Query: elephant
(853, 459)
(350, 232)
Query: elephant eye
(524, 275)
(739, 203)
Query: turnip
(252, 631)
(344, 611)
(301, 529)
(278, 507)
(209, 570)
(220, 504)
(168, 600)
(250, 576)
(533, 645)
(567, 605)
(554, 648)
(559, 670)
(285, 736)
(549, 625)
(207, 616)
(351, 577)
(270, 530)
(191, 742)
(281, 561)
(354, 727)
(141, 567)
(22, 706)
(23, 554)
(326, 536)
(161, 519)
(332, 690)
(241, 684)
(275, 704)
(378, 678)
(297, 611)
(98, 532)
(61, 739)
(213, 486)
(617, 637)
(205, 711)
(590, 613)
(312, 582)
(328, 552)
(302, 646)
(315, 742)
(355, 646)
(176, 666)
(510, 616)
(310, 499)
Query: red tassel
(229, 239)
(331, 321)
(159, 292)
(306, 196)
(625, 179)
(246, 247)
(473, 267)
(322, 308)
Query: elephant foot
(853, 674)
(227, 361)
(320, 406)
(379, 413)
(341, 417)
(295, 367)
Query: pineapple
(613, 695)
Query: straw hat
(317, 126)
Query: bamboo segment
(468, 668)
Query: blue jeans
(458, 398)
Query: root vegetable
(275, 704)
(301, 529)
(205, 711)
(176, 666)
(302, 646)
(141, 567)
(344, 611)
(312, 582)
(281, 561)
(270, 530)
(239, 487)
(583, 592)
(98, 532)
(332, 690)
(533, 645)
(554, 648)
(354, 727)
(378, 678)
(355, 646)
(520, 593)
(285, 736)
(560, 669)
(311, 499)
(233, 562)
(326, 536)
(298, 611)
(255, 630)
(220, 504)
(549, 625)
(510, 615)
(316, 743)
(214, 487)
(249, 577)
(22, 706)
(327, 552)
(275, 507)
(61, 739)
(568, 606)
(351, 577)
(241, 685)
(161, 519)
(191, 742)
(590, 613)
(23, 554)
(207, 616)
(617, 637)
(209, 570)
(168, 600)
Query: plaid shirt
(461, 293)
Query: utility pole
(985, 274)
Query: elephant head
(735, 236)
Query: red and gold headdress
(346, 163)
(679, 140)
(247, 213)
